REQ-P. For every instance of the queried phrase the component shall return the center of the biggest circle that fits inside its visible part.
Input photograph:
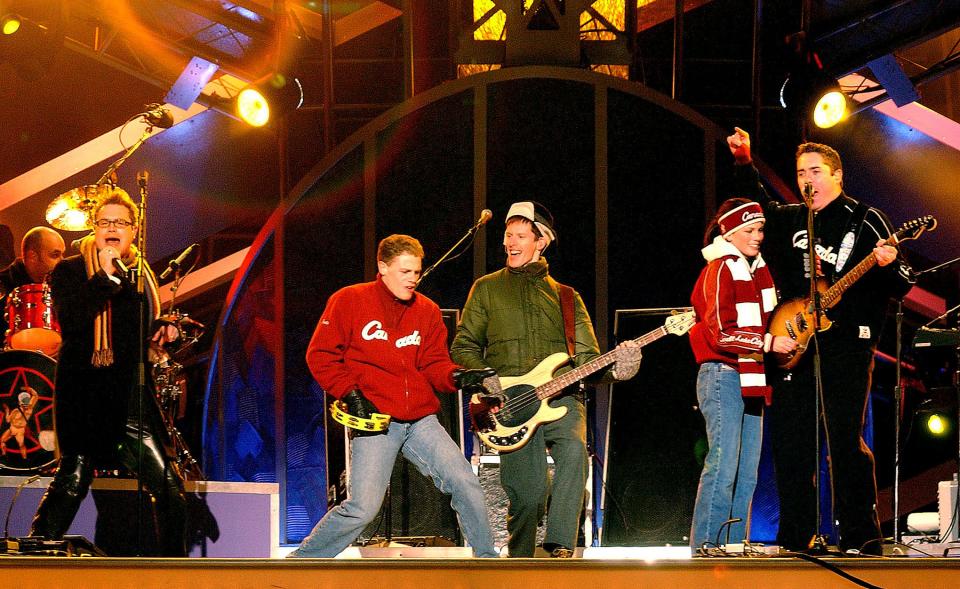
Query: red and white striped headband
(738, 218)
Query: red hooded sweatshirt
(394, 351)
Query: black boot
(63, 497)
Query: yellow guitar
(523, 399)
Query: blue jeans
(729, 474)
(428, 446)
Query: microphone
(178, 261)
(143, 176)
(808, 191)
(485, 215)
(158, 116)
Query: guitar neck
(830, 298)
(566, 379)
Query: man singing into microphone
(845, 232)
(97, 409)
(380, 348)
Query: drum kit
(28, 366)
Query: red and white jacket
(733, 299)
(394, 351)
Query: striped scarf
(103, 322)
(755, 297)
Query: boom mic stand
(141, 386)
(485, 216)
(819, 544)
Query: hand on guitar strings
(782, 344)
(482, 407)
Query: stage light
(10, 24)
(831, 108)
(814, 96)
(29, 45)
(271, 97)
(936, 424)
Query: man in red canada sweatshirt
(380, 347)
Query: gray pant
(525, 478)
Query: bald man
(41, 249)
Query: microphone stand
(142, 351)
(937, 268)
(897, 409)
(147, 133)
(387, 501)
(819, 542)
(469, 234)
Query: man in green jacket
(511, 322)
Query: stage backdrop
(629, 176)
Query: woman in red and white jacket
(733, 299)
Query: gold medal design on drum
(27, 437)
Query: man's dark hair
(829, 154)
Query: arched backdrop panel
(627, 173)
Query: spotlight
(831, 108)
(936, 424)
(29, 45)
(809, 92)
(271, 97)
(10, 24)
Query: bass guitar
(523, 399)
(794, 318)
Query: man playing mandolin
(846, 233)
(514, 319)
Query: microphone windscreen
(158, 116)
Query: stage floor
(464, 573)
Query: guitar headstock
(681, 323)
(915, 228)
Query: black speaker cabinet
(656, 440)
(416, 508)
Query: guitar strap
(566, 308)
(854, 225)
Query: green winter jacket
(512, 321)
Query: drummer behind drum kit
(28, 368)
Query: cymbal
(71, 211)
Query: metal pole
(328, 98)
(409, 87)
(676, 85)
(897, 402)
(755, 87)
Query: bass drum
(27, 437)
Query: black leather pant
(75, 473)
